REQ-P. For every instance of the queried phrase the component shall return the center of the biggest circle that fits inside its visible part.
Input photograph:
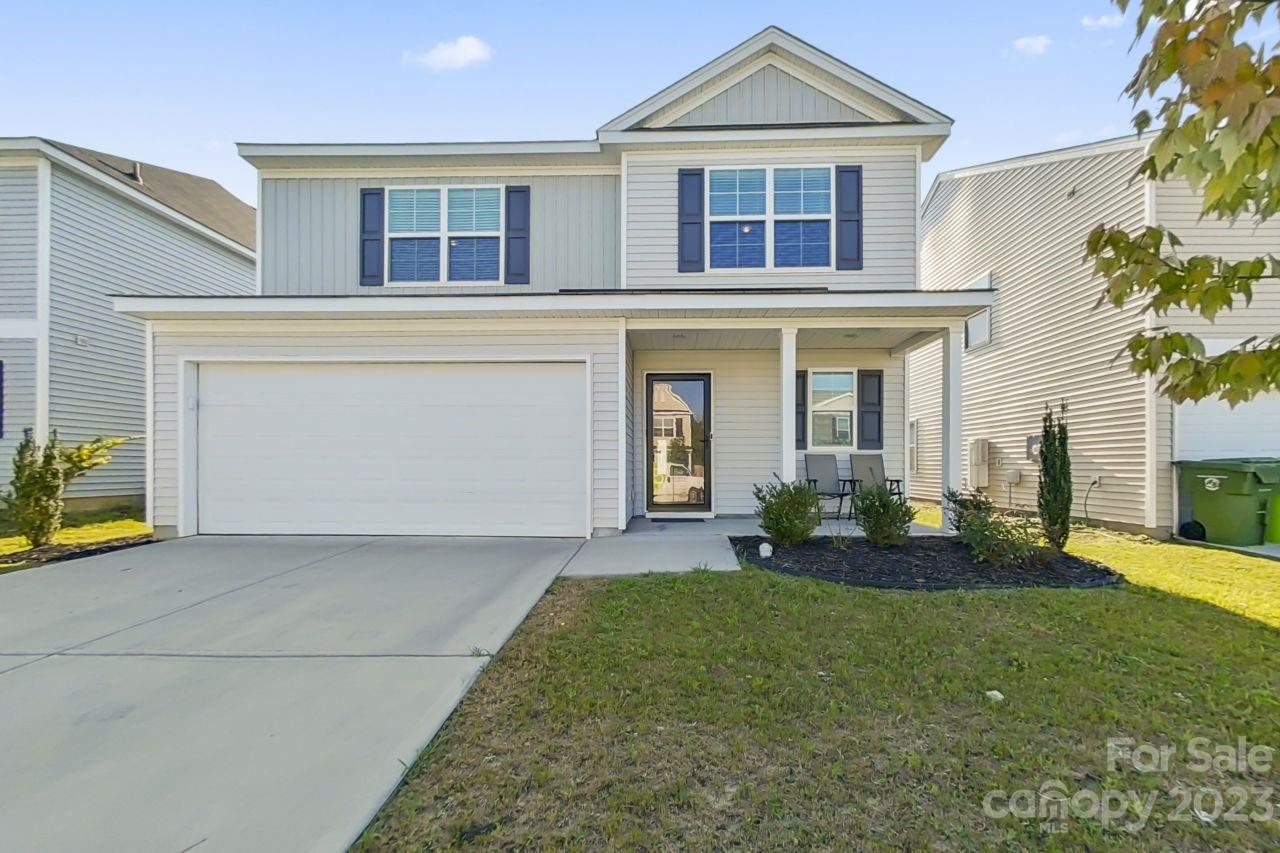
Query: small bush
(41, 475)
(1003, 540)
(884, 517)
(788, 511)
(993, 537)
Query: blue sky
(179, 86)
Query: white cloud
(1031, 45)
(451, 55)
(1103, 22)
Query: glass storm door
(678, 427)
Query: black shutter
(691, 232)
(517, 269)
(802, 409)
(871, 410)
(371, 201)
(848, 217)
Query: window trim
(769, 218)
(444, 234)
(852, 446)
(970, 347)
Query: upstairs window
(452, 230)
(768, 217)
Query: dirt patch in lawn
(57, 553)
(924, 563)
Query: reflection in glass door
(678, 424)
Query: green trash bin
(1224, 501)
(1273, 520)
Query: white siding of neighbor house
(890, 193)
(1026, 225)
(18, 226)
(405, 340)
(100, 245)
(18, 357)
(1178, 209)
(746, 415)
(310, 232)
(769, 96)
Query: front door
(678, 428)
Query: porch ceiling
(767, 339)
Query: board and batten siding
(310, 228)
(384, 340)
(890, 193)
(769, 96)
(18, 230)
(101, 245)
(1026, 225)
(745, 415)
(1178, 208)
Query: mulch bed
(58, 553)
(925, 562)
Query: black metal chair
(868, 470)
(823, 474)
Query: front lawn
(753, 709)
(81, 530)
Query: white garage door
(1212, 430)
(414, 449)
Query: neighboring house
(1019, 226)
(472, 338)
(75, 227)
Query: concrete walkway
(241, 693)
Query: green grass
(712, 710)
(79, 528)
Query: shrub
(993, 537)
(1003, 540)
(41, 475)
(788, 511)
(1054, 492)
(884, 517)
(959, 506)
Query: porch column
(787, 403)
(952, 411)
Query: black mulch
(925, 562)
(58, 553)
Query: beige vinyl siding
(100, 245)
(890, 193)
(18, 357)
(1026, 225)
(1178, 209)
(746, 415)
(924, 379)
(633, 427)
(769, 96)
(406, 340)
(310, 229)
(18, 228)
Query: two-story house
(76, 226)
(551, 338)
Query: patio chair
(823, 475)
(868, 470)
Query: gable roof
(201, 199)
(775, 46)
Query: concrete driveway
(241, 692)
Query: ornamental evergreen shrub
(885, 518)
(788, 511)
(40, 477)
(1054, 492)
(996, 538)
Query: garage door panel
(1211, 429)
(439, 449)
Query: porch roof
(758, 305)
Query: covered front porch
(716, 406)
